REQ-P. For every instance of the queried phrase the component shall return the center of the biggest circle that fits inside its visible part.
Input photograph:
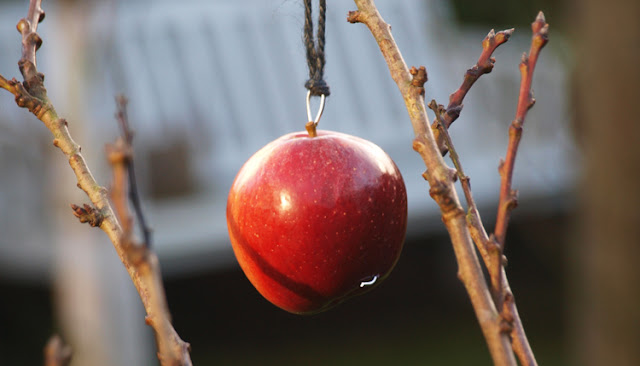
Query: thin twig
(56, 353)
(488, 249)
(488, 246)
(134, 196)
(140, 256)
(28, 27)
(483, 66)
(9, 85)
(521, 345)
(484, 247)
(508, 197)
(510, 315)
(142, 265)
(442, 189)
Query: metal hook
(320, 110)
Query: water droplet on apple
(369, 282)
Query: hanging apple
(314, 220)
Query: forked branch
(441, 179)
(489, 246)
(434, 142)
(140, 262)
(491, 255)
(485, 247)
(171, 349)
(483, 66)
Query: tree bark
(605, 278)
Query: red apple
(314, 220)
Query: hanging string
(315, 52)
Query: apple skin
(313, 220)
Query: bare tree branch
(490, 247)
(31, 42)
(508, 197)
(520, 342)
(171, 349)
(134, 196)
(484, 247)
(483, 66)
(441, 179)
(139, 261)
(491, 254)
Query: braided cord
(315, 49)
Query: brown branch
(510, 315)
(31, 42)
(520, 342)
(56, 353)
(171, 349)
(483, 66)
(487, 246)
(28, 27)
(491, 254)
(134, 196)
(508, 196)
(9, 85)
(140, 263)
(442, 188)
(476, 229)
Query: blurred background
(210, 82)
